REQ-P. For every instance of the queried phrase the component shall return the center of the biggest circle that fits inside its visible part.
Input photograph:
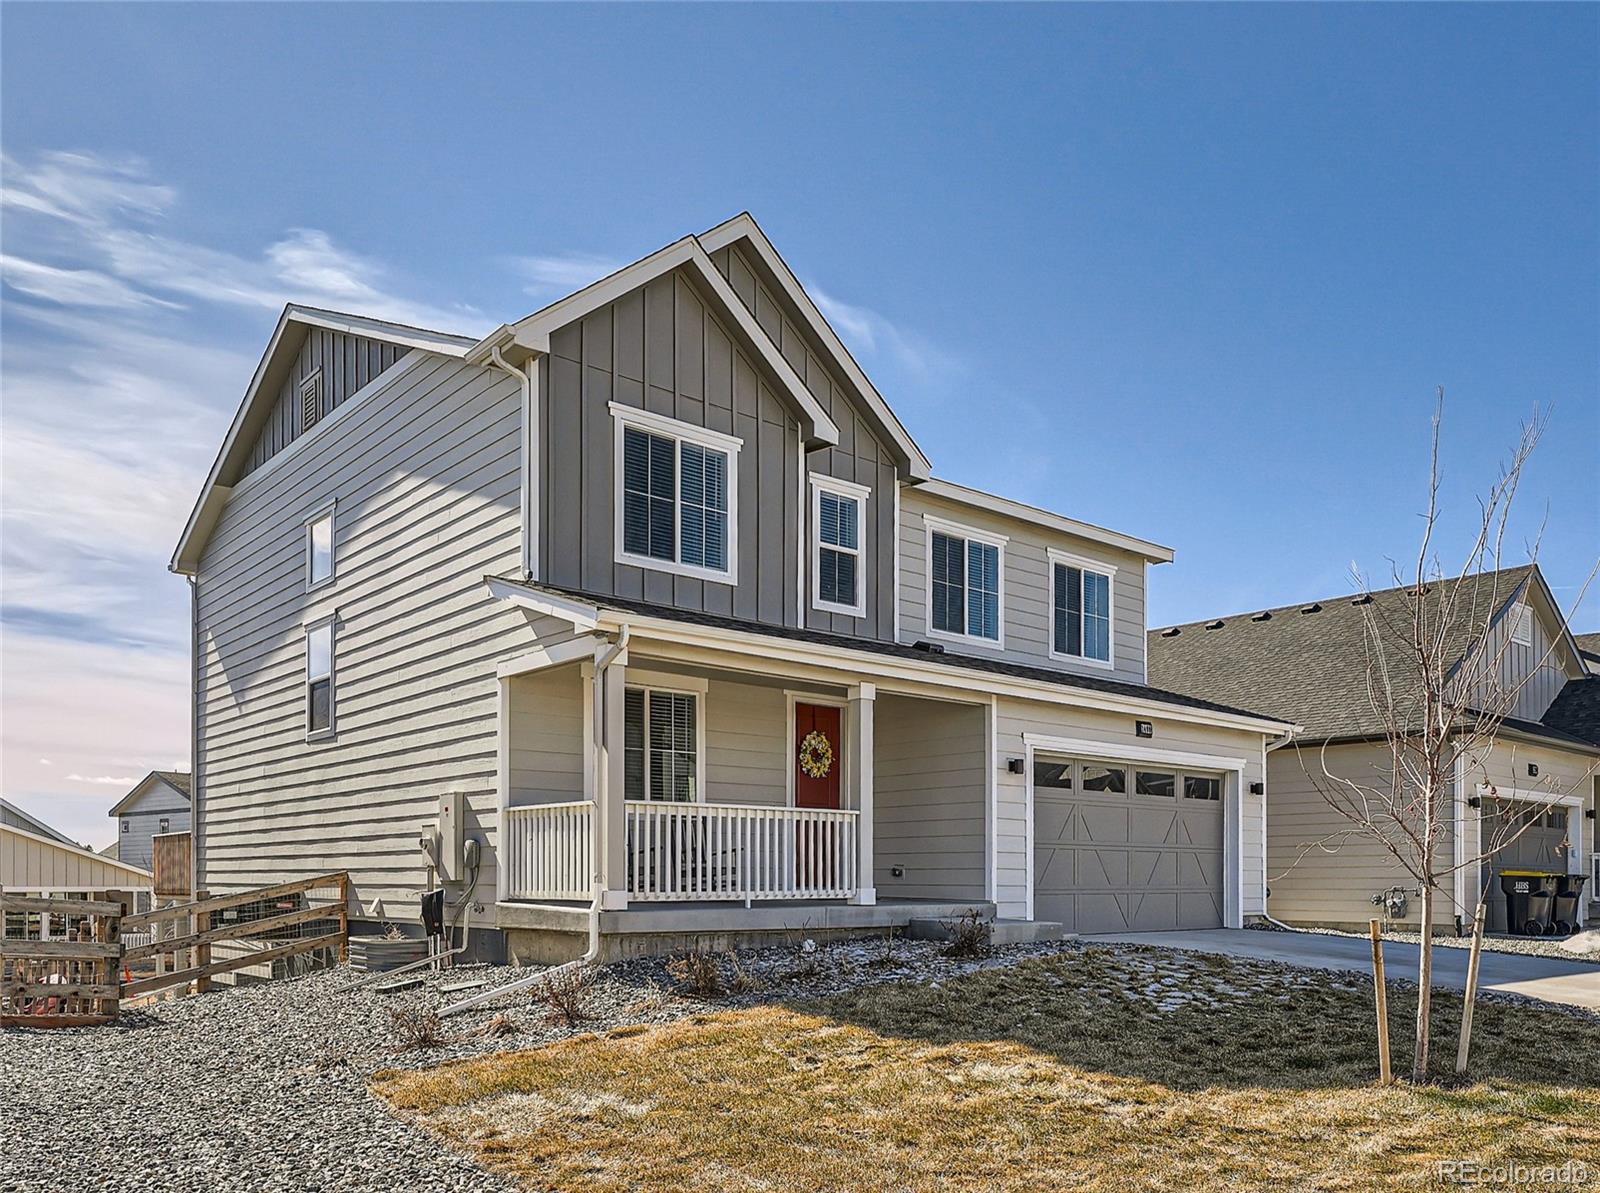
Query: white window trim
(657, 424)
(998, 541)
(331, 512)
(860, 494)
(1083, 563)
(673, 685)
(332, 622)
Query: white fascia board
(864, 662)
(578, 614)
(543, 658)
(443, 342)
(744, 227)
(533, 333)
(977, 499)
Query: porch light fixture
(1017, 766)
(1474, 801)
(1588, 813)
(1144, 728)
(1533, 770)
(1258, 789)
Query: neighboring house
(35, 864)
(159, 803)
(656, 572)
(14, 817)
(1308, 663)
(1589, 648)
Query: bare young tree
(1440, 684)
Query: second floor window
(675, 500)
(964, 584)
(319, 548)
(838, 509)
(1081, 626)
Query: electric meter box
(452, 837)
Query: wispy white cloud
(871, 337)
(72, 287)
(559, 274)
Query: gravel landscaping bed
(265, 1087)
(1529, 946)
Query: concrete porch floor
(691, 917)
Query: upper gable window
(319, 548)
(1522, 625)
(1081, 607)
(677, 496)
(965, 590)
(838, 513)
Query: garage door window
(1156, 782)
(1110, 779)
(1202, 787)
(1052, 774)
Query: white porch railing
(547, 851)
(684, 851)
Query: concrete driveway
(1575, 983)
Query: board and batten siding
(1115, 732)
(142, 822)
(860, 456)
(425, 470)
(1028, 615)
(1533, 673)
(348, 362)
(929, 797)
(660, 348)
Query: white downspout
(1266, 749)
(529, 439)
(597, 845)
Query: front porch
(675, 793)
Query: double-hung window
(319, 678)
(965, 589)
(1081, 599)
(661, 753)
(676, 499)
(319, 548)
(838, 518)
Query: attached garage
(1124, 846)
(1535, 836)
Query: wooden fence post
(1380, 991)
(1471, 995)
(201, 922)
(344, 917)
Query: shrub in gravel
(501, 1025)
(566, 994)
(417, 1027)
(699, 972)
(969, 936)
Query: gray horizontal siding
(929, 766)
(1028, 600)
(425, 474)
(348, 362)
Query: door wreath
(816, 755)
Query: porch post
(613, 788)
(858, 745)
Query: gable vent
(1171, 632)
(1311, 609)
(311, 401)
(1261, 617)
(1214, 625)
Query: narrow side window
(838, 577)
(319, 678)
(319, 548)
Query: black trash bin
(1530, 895)
(1569, 890)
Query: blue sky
(1190, 272)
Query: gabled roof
(1576, 710)
(532, 334)
(259, 396)
(1307, 662)
(1046, 519)
(1588, 646)
(17, 818)
(178, 780)
(743, 229)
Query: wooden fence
(170, 863)
(78, 974)
(61, 966)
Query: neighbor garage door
(1523, 836)
(1120, 847)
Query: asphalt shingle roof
(1577, 709)
(896, 650)
(1589, 644)
(1307, 662)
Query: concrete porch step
(1000, 931)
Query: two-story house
(1526, 803)
(645, 615)
(156, 805)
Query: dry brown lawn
(1042, 1075)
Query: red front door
(816, 771)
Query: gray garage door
(1540, 843)
(1126, 848)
